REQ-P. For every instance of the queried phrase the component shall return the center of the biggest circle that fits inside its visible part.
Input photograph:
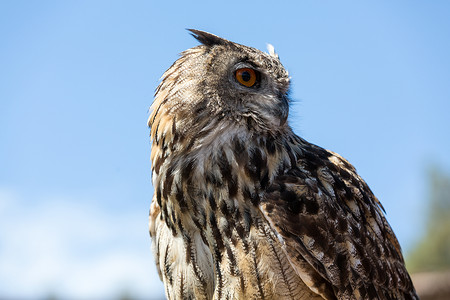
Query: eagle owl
(244, 208)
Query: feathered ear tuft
(208, 39)
(271, 51)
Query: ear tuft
(271, 51)
(208, 39)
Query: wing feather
(334, 231)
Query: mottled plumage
(244, 208)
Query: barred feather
(244, 208)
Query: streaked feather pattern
(244, 208)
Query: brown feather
(245, 209)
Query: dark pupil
(246, 76)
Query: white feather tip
(271, 50)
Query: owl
(244, 208)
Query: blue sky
(370, 81)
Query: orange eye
(246, 76)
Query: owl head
(222, 80)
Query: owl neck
(220, 171)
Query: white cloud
(60, 247)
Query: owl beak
(283, 120)
(284, 109)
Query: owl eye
(246, 76)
